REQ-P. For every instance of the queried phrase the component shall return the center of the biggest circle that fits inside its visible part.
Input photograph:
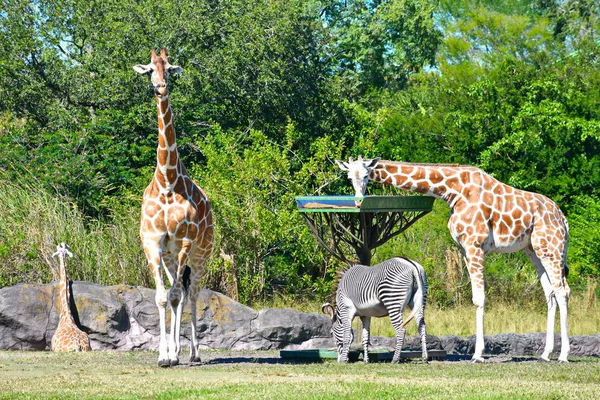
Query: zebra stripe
(377, 291)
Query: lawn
(258, 375)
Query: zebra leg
(396, 318)
(347, 337)
(366, 333)
(420, 320)
(423, 333)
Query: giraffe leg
(194, 356)
(182, 304)
(177, 302)
(474, 257)
(556, 291)
(174, 343)
(197, 260)
(153, 256)
(366, 333)
(563, 305)
(174, 298)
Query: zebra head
(337, 328)
(358, 173)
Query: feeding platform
(342, 227)
(354, 355)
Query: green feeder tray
(344, 229)
(354, 355)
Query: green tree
(378, 44)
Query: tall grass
(33, 222)
(500, 317)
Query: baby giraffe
(67, 337)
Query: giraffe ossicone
(487, 216)
(67, 337)
(176, 225)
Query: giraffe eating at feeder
(67, 337)
(487, 216)
(176, 224)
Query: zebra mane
(338, 275)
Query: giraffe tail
(186, 279)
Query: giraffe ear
(143, 69)
(373, 163)
(343, 166)
(175, 69)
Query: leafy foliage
(272, 92)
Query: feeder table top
(372, 204)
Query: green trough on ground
(354, 355)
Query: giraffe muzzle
(160, 90)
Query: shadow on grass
(273, 360)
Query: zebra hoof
(174, 362)
(195, 359)
(477, 360)
(164, 363)
(563, 361)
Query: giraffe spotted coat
(176, 225)
(67, 337)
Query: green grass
(134, 375)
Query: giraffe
(487, 216)
(176, 223)
(67, 337)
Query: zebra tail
(418, 296)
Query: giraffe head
(159, 70)
(62, 249)
(358, 173)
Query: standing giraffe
(487, 216)
(67, 337)
(176, 226)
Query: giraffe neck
(167, 157)
(443, 181)
(63, 292)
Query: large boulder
(126, 318)
(24, 317)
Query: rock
(126, 318)
(283, 327)
(24, 317)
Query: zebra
(377, 291)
